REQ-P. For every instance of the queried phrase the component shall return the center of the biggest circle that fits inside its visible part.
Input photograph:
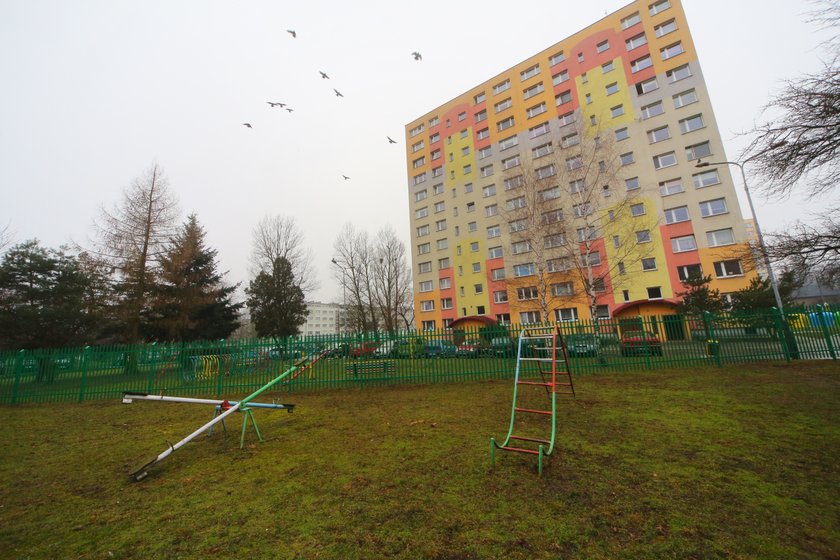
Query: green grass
(739, 462)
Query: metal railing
(229, 367)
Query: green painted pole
(18, 372)
(85, 360)
(824, 327)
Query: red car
(640, 343)
(362, 350)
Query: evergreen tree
(47, 299)
(190, 301)
(276, 302)
(699, 296)
(759, 294)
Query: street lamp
(343, 293)
(761, 245)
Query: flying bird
(417, 55)
(391, 140)
(247, 124)
(289, 109)
(292, 33)
(273, 104)
(345, 177)
(337, 93)
(324, 75)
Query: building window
(706, 179)
(487, 170)
(497, 274)
(665, 28)
(667, 159)
(470, 207)
(482, 134)
(434, 138)
(422, 230)
(521, 270)
(691, 123)
(617, 111)
(632, 183)
(685, 98)
(424, 267)
(502, 105)
(427, 286)
(556, 58)
(627, 159)
(472, 226)
(630, 20)
(428, 325)
(437, 189)
(654, 293)
(541, 150)
(505, 124)
(607, 67)
(658, 134)
(533, 90)
(443, 263)
(621, 269)
(424, 248)
(500, 296)
(489, 190)
(671, 50)
(652, 110)
(713, 207)
(478, 288)
(558, 265)
(637, 209)
(494, 231)
(422, 212)
(698, 151)
(643, 236)
(658, 7)
(676, 215)
(514, 182)
(611, 88)
(527, 293)
(720, 237)
(491, 210)
(566, 314)
(649, 264)
(442, 244)
(529, 72)
(511, 162)
(440, 206)
(563, 289)
(520, 247)
(508, 142)
(683, 244)
(416, 130)
(536, 110)
(574, 162)
(678, 73)
(591, 259)
(640, 64)
(622, 134)
(465, 151)
(467, 169)
(499, 88)
(647, 86)
(420, 195)
(516, 203)
(545, 171)
(636, 41)
(550, 194)
(588, 233)
(554, 240)
(518, 225)
(560, 77)
(562, 98)
(567, 118)
(529, 317)
(671, 186)
(725, 269)
(476, 267)
(688, 271)
(446, 303)
(421, 178)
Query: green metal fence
(233, 367)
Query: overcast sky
(94, 92)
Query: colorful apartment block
(632, 82)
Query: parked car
(363, 349)
(337, 350)
(438, 349)
(581, 345)
(468, 349)
(640, 343)
(502, 347)
(401, 348)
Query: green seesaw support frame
(222, 412)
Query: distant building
(323, 319)
(814, 294)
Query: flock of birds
(417, 56)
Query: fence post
(781, 328)
(85, 361)
(711, 341)
(152, 350)
(18, 372)
(826, 333)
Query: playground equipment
(540, 360)
(223, 410)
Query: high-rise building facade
(567, 186)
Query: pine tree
(699, 297)
(190, 301)
(276, 302)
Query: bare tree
(803, 142)
(6, 237)
(279, 236)
(133, 235)
(391, 279)
(810, 251)
(352, 264)
(560, 257)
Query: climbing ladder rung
(534, 383)
(537, 440)
(532, 411)
(520, 450)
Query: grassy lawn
(740, 462)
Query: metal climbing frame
(541, 364)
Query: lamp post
(761, 245)
(342, 315)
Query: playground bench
(365, 367)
